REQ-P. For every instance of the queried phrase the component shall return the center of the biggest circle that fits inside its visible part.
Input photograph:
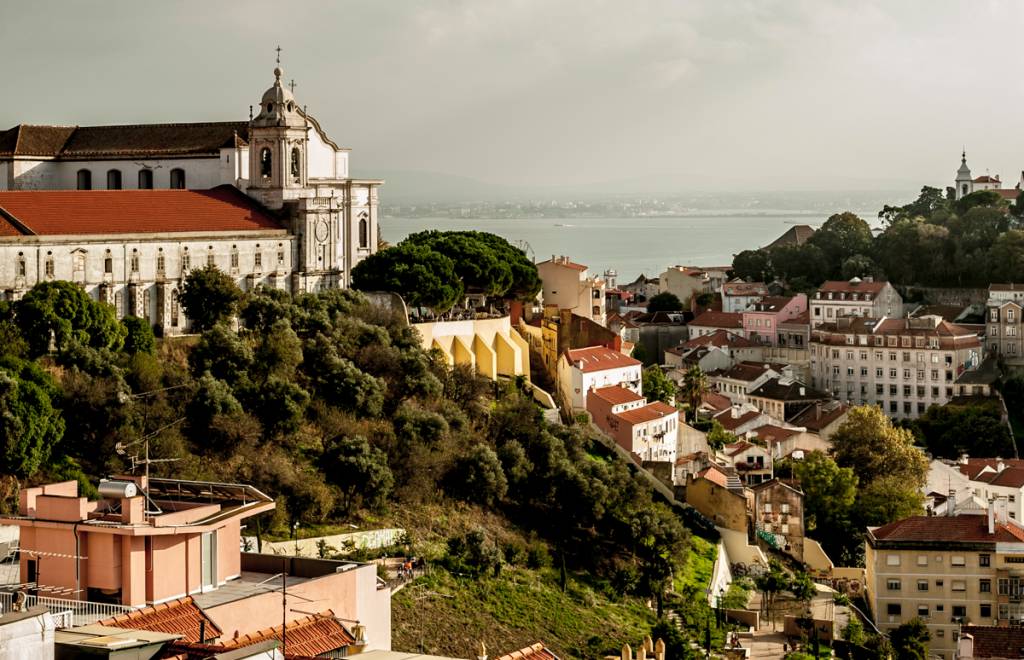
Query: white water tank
(116, 490)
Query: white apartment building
(902, 365)
(581, 370)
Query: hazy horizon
(654, 97)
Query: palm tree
(695, 386)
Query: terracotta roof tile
(309, 636)
(996, 642)
(797, 235)
(730, 423)
(1005, 287)
(647, 413)
(715, 401)
(536, 651)
(599, 358)
(616, 394)
(712, 319)
(61, 212)
(819, 415)
(721, 338)
(180, 617)
(844, 286)
(772, 433)
(715, 475)
(966, 528)
(746, 371)
(566, 263)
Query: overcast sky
(793, 94)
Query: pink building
(762, 320)
(168, 541)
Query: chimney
(951, 503)
(817, 410)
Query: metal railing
(70, 612)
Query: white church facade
(128, 211)
(965, 184)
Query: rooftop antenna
(122, 450)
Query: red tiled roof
(987, 471)
(715, 475)
(746, 371)
(721, 338)
(1005, 287)
(771, 433)
(566, 263)
(713, 319)
(984, 178)
(1008, 193)
(648, 413)
(309, 636)
(179, 617)
(61, 212)
(772, 303)
(996, 642)
(616, 394)
(730, 423)
(949, 529)
(803, 318)
(535, 651)
(843, 286)
(599, 358)
(797, 235)
(715, 401)
(737, 448)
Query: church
(964, 184)
(127, 211)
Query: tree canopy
(665, 301)
(64, 311)
(208, 296)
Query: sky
(679, 95)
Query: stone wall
(336, 544)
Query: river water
(631, 246)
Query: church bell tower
(277, 147)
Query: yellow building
(949, 571)
(490, 346)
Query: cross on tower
(292, 85)
(278, 49)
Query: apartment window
(985, 586)
(892, 390)
(234, 257)
(178, 179)
(864, 355)
(906, 390)
(84, 180)
(113, 179)
(161, 262)
(849, 355)
(906, 374)
(922, 560)
(186, 260)
(958, 560)
(959, 612)
(922, 585)
(257, 260)
(935, 393)
(892, 373)
(920, 391)
(958, 585)
(108, 264)
(893, 609)
(985, 610)
(1004, 587)
(49, 264)
(894, 407)
(906, 356)
(21, 268)
(134, 261)
(892, 356)
(984, 559)
(879, 389)
(879, 373)
(145, 179)
(922, 611)
(864, 372)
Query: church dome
(278, 106)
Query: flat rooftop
(262, 574)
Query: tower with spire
(963, 184)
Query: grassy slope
(448, 615)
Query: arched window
(178, 179)
(174, 308)
(48, 266)
(113, 179)
(266, 164)
(20, 267)
(364, 231)
(296, 166)
(84, 180)
(146, 179)
(108, 263)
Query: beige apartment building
(568, 285)
(865, 298)
(1003, 317)
(949, 571)
(902, 365)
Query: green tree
(950, 431)
(829, 495)
(478, 477)
(422, 276)
(842, 236)
(753, 266)
(868, 443)
(910, 640)
(358, 470)
(30, 425)
(665, 301)
(481, 269)
(656, 386)
(694, 387)
(64, 311)
(930, 201)
(208, 296)
(801, 266)
(718, 437)
(860, 266)
(853, 631)
(771, 584)
(802, 587)
(887, 499)
(139, 336)
(978, 198)
(1007, 256)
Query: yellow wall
(491, 346)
